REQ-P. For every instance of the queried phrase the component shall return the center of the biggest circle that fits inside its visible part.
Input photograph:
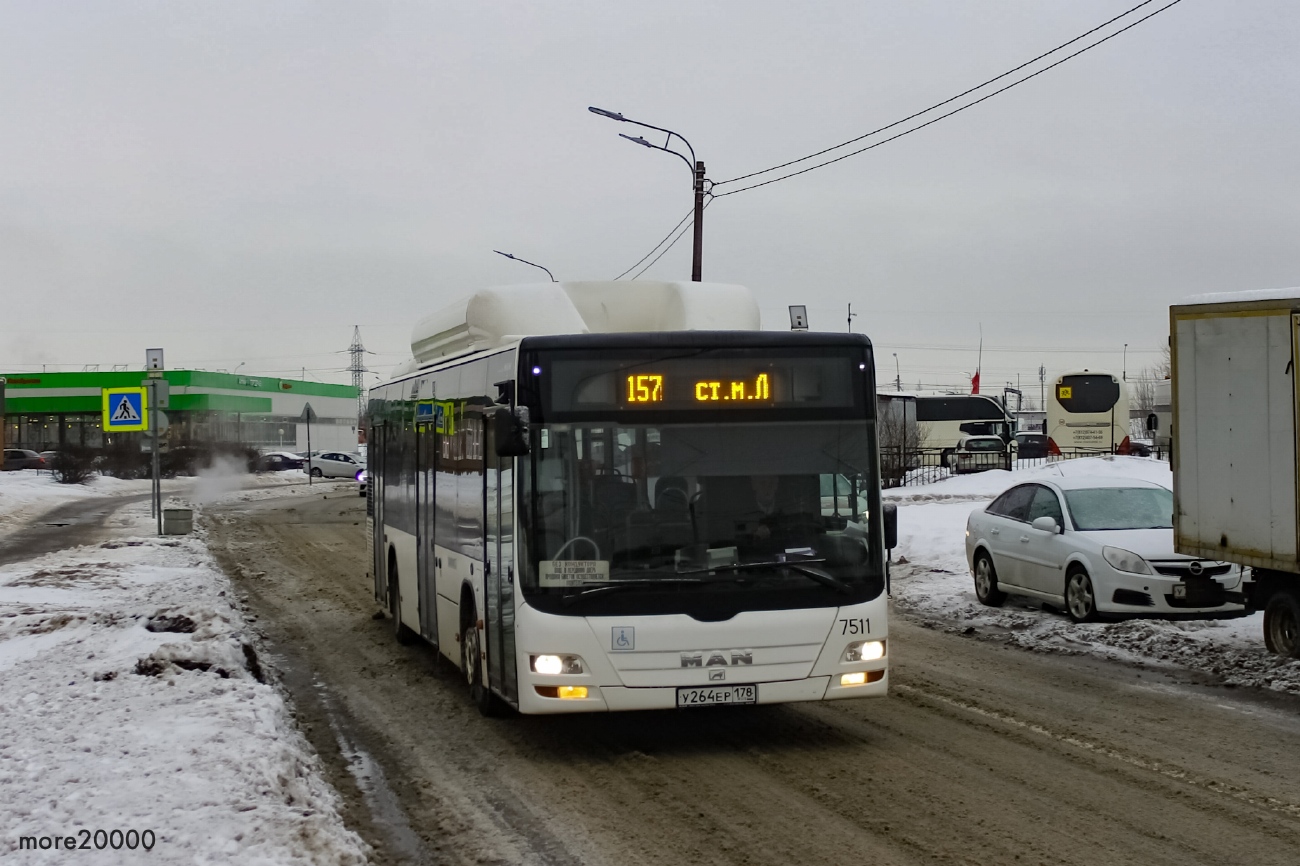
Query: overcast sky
(246, 181)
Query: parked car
(334, 464)
(363, 478)
(23, 458)
(1139, 448)
(979, 454)
(1094, 546)
(1031, 446)
(279, 461)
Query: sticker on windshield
(572, 572)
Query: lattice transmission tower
(358, 368)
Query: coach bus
(616, 511)
(944, 419)
(1088, 411)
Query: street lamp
(695, 165)
(241, 363)
(898, 374)
(525, 261)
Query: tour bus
(618, 496)
(1088, 411)
(944, 419)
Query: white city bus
(1088, 411)
(619, 512)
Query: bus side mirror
(890, 512)
(511, 431)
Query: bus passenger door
(425, 516)
(376, 449)
(499, 577)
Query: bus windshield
(708, 519)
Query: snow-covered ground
(131, 700)
(934, 584)
(29, 493)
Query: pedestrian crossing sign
(125, 410)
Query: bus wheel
(986, 582)
(1282, 624)
(471, 661)
(403, 634)
(1080, 599)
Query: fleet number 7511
(855, 626)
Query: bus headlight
(865, 651)
(556, 664)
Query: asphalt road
(981, 754)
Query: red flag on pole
(975, 383)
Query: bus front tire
(403, 634)
(1282, 624)
(471, 660)
(986, 581)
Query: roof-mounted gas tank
(504, 314)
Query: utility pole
(695, 165)
(851, 317)
(1042, 387)
(358, 368)
(697, 253)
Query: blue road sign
(125, 410)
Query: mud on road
(981, 754)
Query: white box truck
(1235, 405)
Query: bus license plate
(716, 696)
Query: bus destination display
(648, 388)
(750, 380)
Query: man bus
(632, 517)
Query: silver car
(334, 464)
(1094, 546)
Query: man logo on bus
(717, 658)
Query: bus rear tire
(1282, 624)
(403, 634)
(471, 661)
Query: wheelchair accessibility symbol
(622, 638)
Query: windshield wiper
(803, 566)
(599, 588)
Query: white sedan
(334, 464)
(1094, 545)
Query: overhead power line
(673, 243)
(689, 214)
(946, 114)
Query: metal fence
(915, 466)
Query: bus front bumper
(620, 698)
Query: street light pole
(898, 374)
(697, 173)
(525, 261)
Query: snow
(932, 582)
(1285, 294)
(29, 493)
(109, 725)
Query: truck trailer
(1234, 432)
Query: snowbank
(29, 493)
(132, 701)
(932, 582)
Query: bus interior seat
(671, 498)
